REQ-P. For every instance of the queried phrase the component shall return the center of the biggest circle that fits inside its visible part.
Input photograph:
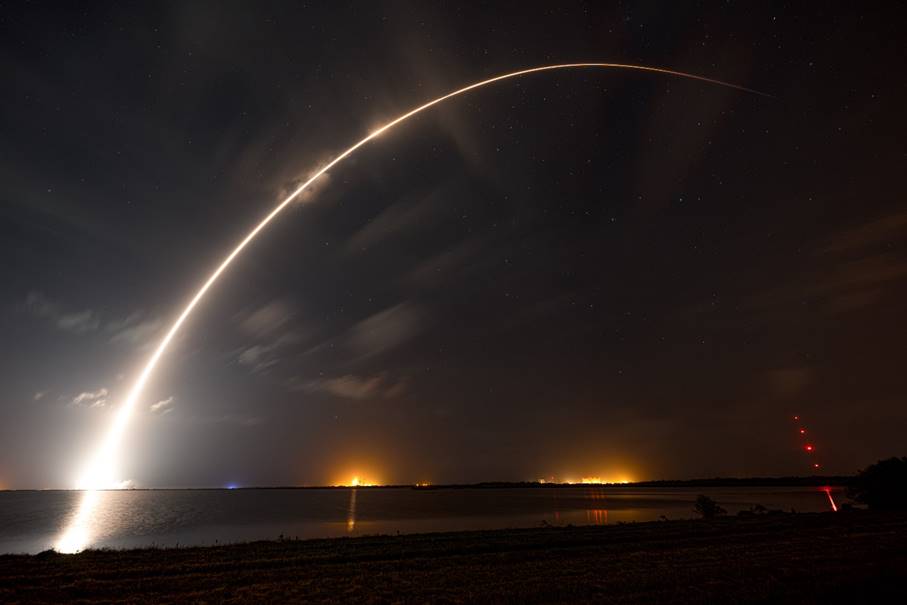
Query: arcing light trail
(100, 473)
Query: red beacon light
(796, 418)
(802, 431)
(808, 448)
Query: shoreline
(785, 557)
(794, 481)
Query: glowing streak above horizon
(100, 473)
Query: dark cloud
(885, 230)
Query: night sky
(578, 273)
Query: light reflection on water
(351, 513)
(82, 527)
(32, 521)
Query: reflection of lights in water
(351, 512)
(831, 499)
(597, 516)
(81, 527)
(595, 494)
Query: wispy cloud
(258, 358)
(350, 386)
(851, 270)
(396, 220)
(880, 230)
(164, 406)
(311, 192)
(841, 285)
(91, 399)
(79, 322)
(135, 330)
(76, 322)
(268, 323)
(441, 267)
(386, 329)
(266, 319)
(39, 395)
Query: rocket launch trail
(100, 472)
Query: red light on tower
(808, 447)
(796, 418)
(816, 465)
(802, 431)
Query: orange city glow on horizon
(616, 479)
(357, 481)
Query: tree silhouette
(881, 486)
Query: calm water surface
(31, 520)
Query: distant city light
(357, 481)
(593, 480)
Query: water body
(30, 521)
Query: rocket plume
(101, 471)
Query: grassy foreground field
(812, 558)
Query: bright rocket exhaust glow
(101, 471)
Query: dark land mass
(812, 481)
(794, 481)
(849, 557)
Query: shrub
(707, 507)
(881, 486)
